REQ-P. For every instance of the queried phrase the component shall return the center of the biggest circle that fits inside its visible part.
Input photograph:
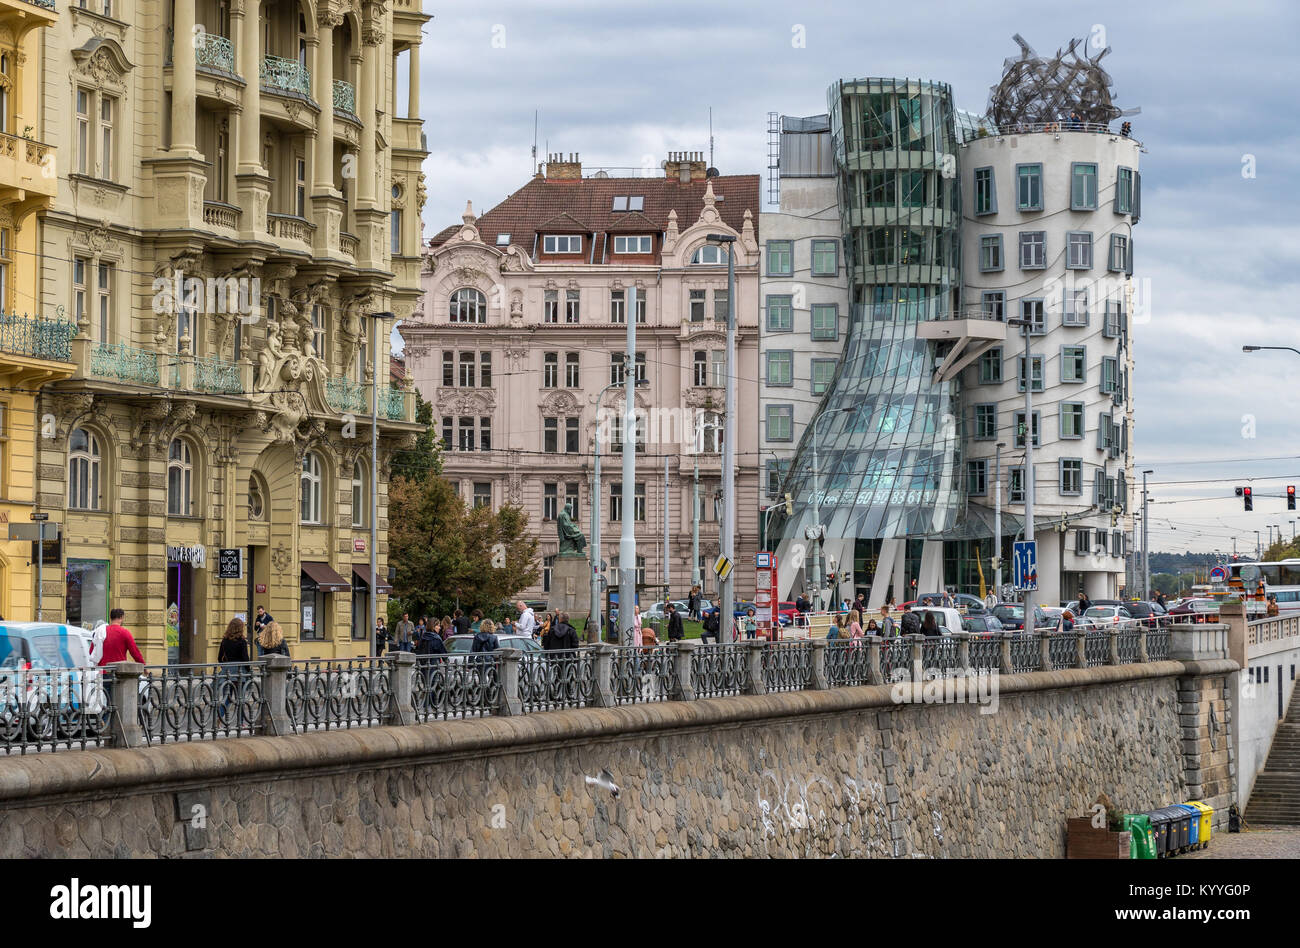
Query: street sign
(763, 560)
(33, 531)
(1024, 565)
(766, 596)
(1218, 574)
(40, 516)
(722, 568)
(230, 563)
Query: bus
(1281, 578)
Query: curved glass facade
(887, 436)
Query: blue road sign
(1024, 565)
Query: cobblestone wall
(845, 772)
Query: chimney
(557, 168)
(685, 166)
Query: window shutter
(1128, 262)
(1114, 204)
(1137, 195)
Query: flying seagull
(606, 780)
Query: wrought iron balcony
(124, 363)
(286, 75)
(215, 52)
(35, 337)
(345, 97)
(216, 375)
(345, 395)
(47, 4)
(392, 403)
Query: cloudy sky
(624, 82)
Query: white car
(1106, 616)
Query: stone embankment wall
(845, 772)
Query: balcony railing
(349, 244)
(47, 4)
(215, 374)
(124, 363)
(392, 403)
(345, 97)
(35, 337)
(215, 52)
(220, 214)
(345, 395)
(286, 75)
(289, 227)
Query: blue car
(48, 683)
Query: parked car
(741, 606)
(1105, 616)
(1149, 612)
(981, 624)
(972, 604)
(1073, 605)
(1196, 610)
(460, 645)
(38, 700)
(1012, 616)
(1054, 614)
(949, 620)
(785, 612)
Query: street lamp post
(997, 520)
(1276, 348)
(627, 542)
(819, 532)
(1027, 326)
(727, 539)
(1258, 549)
(1146, 541)
(594, 549)
(377, 321)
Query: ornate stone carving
(514, 481)
(421, 192)
(281, 558)
(456, 401)
(560, 403)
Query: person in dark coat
(561, 635)
(429, 642)
(231, 653)
(712, 627)
(462, 623)
(908, 623)
(675, 630)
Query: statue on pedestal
(572, 542)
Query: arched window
(468, 305)
(84, 467)
(180, 479)
(709, 255)
(310, 484)
(359, 496)
(256, 499)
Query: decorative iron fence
(985, 652)
(285, 75)
(644, 674)
(345, 97)
(342, 693)
(345, 395)
(38, 338)
(1127, 644)
(1063, 650)
(214, 374)
(214, 52)
(456, 686)
(117, 360)
(788, 666)
(197, 702)
(847, 663)
(895, 656)
(1158, 645)
(1096, 648)
(720, 670)
(939, 652)
(557, 679)
(54, 708)
(392, 403)
(1024, 652)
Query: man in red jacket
(118, 641)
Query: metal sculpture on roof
(1036, 90)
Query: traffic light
(1290, 497)
(789, 505)
(1249, 500)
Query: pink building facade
(523, 324)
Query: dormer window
(620, 202)
(503, 240)
(640, 244)
(561, 243)
(709, 255)
(623, 202)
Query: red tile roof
(590, 201)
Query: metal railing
(641, 674)
(1127, 645)
(939, 652)
(39, 338)
(345, 395)
(117, 360)
(847, 663)
(1063, 649)
(445, 687)
(563, 678)
(1096, 648)
(345, 97)
(340, 693)
(285, 75)
(985, 651)
(54, 708)
(1024, 652)
(719, 670)
(392, 403)
(199, 702)
(1158, 644)
(788, 666)
(215, 52)
(895, 653)
(214, 374)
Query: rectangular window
(1037, 370)
(571, 370)
(990, 253)
(482, 494)
(616, 505)
(485, 369)
(780, 314)
(105, 299)
(1074, 363)
(1072, 420)
(639, 299)
(1124, 191)
(1016, 484)
(467, 364)
(1104, 431)
(83, 132)
(1119, 258)
(986, 422)
(825, 321)
(550, 501)
(776, 471)
(1071, 475)
(550, 306)
(300, 190)
(448, 432)
(1033, 249)
(617, 306)
(632, 244)
(698, 300)
(990, 367)
(913, 188)
(1032, 312)
(1029, 187)
(1075, 312)
(395, 227)
(1109, 375)
(1078, 254)
(985, 195)
(317, 329)
(1083, 541)
(825, 257)
(1101, 541)
(465, 429)
(571, 301)
(551, 435)
(571, 496)
(1020, 429)
(485, 433)
(571, 436)
(780, 422)
(561, 243)
(107, 111)
(823, 370)
(720, 306)
(1114, 324)
(977, 473)
(718, 367)
(700, 364)
(880, 189)
(550, 370)
(1083, 186)
(617, 375)
(994, 303)
(449, 369)
(880, 247)
(780, 367)
(638, 502)
(780, 258)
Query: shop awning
(362, 572)
(325, 578)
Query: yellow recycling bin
(1207, 815)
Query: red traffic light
(1290, 497)
(1248, 498)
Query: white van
(949, 620)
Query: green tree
(425, 458)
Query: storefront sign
(260, 588)
(196, 556)
(358, 545)
(230, 564)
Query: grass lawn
(692, 628)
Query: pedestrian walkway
(1259, 842)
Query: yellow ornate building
(236, 223)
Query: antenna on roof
(710, 136)
(533, 168)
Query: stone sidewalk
(1259, 842)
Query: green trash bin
(1142, 838)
